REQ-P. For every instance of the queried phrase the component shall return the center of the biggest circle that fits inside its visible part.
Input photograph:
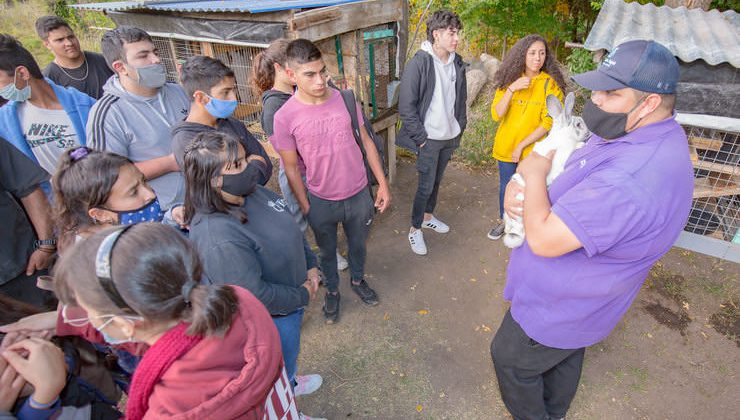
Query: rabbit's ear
(570, 102)
(554, 109)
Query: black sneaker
(331, 307)
(497, 231)
(365, 293)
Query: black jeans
(536, 382)
(431, 164)
(356, 214)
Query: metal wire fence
(716, 207)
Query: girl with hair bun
(141, 284)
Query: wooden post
(360, 52)
(403, 39)
(391, 149)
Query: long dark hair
(514, 64)
(204, 159)
(84, 179)
(150, 264)
(263, 66)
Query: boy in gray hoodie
(134, 116)
(432, 108)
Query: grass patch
(19, 19)
(477, 140)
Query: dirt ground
(424, 351)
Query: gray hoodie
(139, 128)
(439, 121)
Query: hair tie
(187, 289)
(78, 153)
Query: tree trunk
(689, 4)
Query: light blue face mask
(220, 108)
(12, 93)
(115, 341)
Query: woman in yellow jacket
(528, 74)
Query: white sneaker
(342, 263)
(416, 239)
(436, 224)
(307, 384)
(302, 416)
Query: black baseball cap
(647, 66)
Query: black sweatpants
(536, 382)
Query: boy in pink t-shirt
(315, 124)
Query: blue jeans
(289, 328)
(505, 171)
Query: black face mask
(241, 184)
(607, 125)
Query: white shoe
(342, 263)
(416, 239)
(302, 416)
(436, 224)
(307, 384)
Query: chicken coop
(707, 46)
(363, 43)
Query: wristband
(38, 243)
(37, 405)
(47, 250)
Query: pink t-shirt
(322, 135)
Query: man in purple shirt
(591, 239)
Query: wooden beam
(350, 17)
(403, 39)
(705, 144)
(717, 167)
(704, 189)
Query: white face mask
(12, 93)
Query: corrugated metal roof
(690, 34)
(250, 6)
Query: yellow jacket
(527, 111)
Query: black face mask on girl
(608, 125)
(241, 184)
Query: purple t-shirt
(626, 200)
(322, 135)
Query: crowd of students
(174, 257)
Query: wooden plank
(352, 16)
(717, 167)
(704, 189)
(705, 144)
(390, 148)
(206, 48)
(319, 17)
(359, 50)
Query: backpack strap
(351, 104)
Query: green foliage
(579, 61)
(477, 140)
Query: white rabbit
(567, 134)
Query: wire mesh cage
(716, 208)
(239, 58)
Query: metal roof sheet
(249, 6)
(690, 34)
